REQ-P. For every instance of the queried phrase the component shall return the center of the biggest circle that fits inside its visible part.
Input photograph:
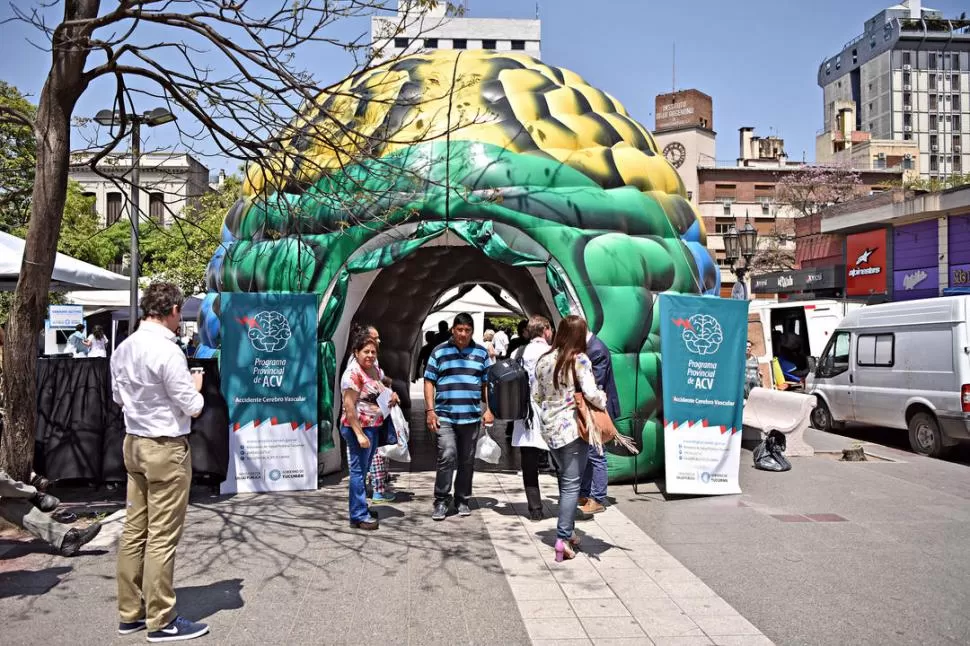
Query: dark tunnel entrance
(400, 297)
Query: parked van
(792, 332)
(899, 365)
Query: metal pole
(135, 215)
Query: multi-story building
(413, 30)
(684, 132)
(168, 182)
(746, 188)
(906, 78)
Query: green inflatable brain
(546, 180)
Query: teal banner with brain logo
(702, 341)
(269, 380)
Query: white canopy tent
(69, 273)
(477, 302)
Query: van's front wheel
(821, 416)
(925, 436)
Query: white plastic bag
(398, 452)
(487, 449)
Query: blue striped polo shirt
(458, 376)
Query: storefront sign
(269, 380)
(958, 236)
(800, 280)
(916, 271)
(865, 263)
(702, 343)
(960, 275)
(65, 317)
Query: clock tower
(685, 134)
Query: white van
(793, 331)
(899, 365)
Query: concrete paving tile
(686, 589)
(561, 642)
(629, 587)
(534, 591)
(743, 640)
(599, 608)
(623, 641)
(599, 590)
(555, 628)
(705, 606)
(678, 574)
(683, 640)
(545, 608)
(668, 625)
(611, 627)
(714, 626)
(641, 606)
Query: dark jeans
(594, 477)
(456, 450)
(530, 475)
(571, 462)
(359, 460)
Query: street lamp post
(152, 118)
(739, 245)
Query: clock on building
(675, 153)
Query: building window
(932, 82)
(765, 207)
(156, 208)
(489, 43)
(934, 142)
(401, 43)
(955, 61)
(955, 103)
(908, 136)
(956, 141)
(934, 163)
(431, 43)
(907, 58)
(907, 78)
(957, 163)
(690, 195)
(908, 162)
(934, 104)
(955, 82)
(855, 56)
(933, 122)
(956, 123)
(907, 120)
(723, 225)
(933, 62)
(518, 45)
(907, 99)
(727, 206)
(459, 43)
(113, 213)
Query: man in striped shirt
(454, 396)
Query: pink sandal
(564, 551)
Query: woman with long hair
(561, 374)
(361, 384)
(97, 343)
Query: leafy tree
(936, 184)
(17, 159)
(180, 253)
(803, 193)
(227, 67)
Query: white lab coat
(523, 434)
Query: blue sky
(758, 59)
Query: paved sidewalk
(622, 588)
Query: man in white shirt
(501, 344)
(151, 381)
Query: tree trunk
(65, 83)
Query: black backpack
(508, 388)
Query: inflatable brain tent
(480, 168)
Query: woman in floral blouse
(560, 374)
(360, 385)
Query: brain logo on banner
(702, 333)
(268, 331)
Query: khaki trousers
(159, 476)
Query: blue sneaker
(383, 498)
(179, 630)
(129, 627)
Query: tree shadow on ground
(202, 601)
(31, 582)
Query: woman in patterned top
(360, 385)
(560, 374)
